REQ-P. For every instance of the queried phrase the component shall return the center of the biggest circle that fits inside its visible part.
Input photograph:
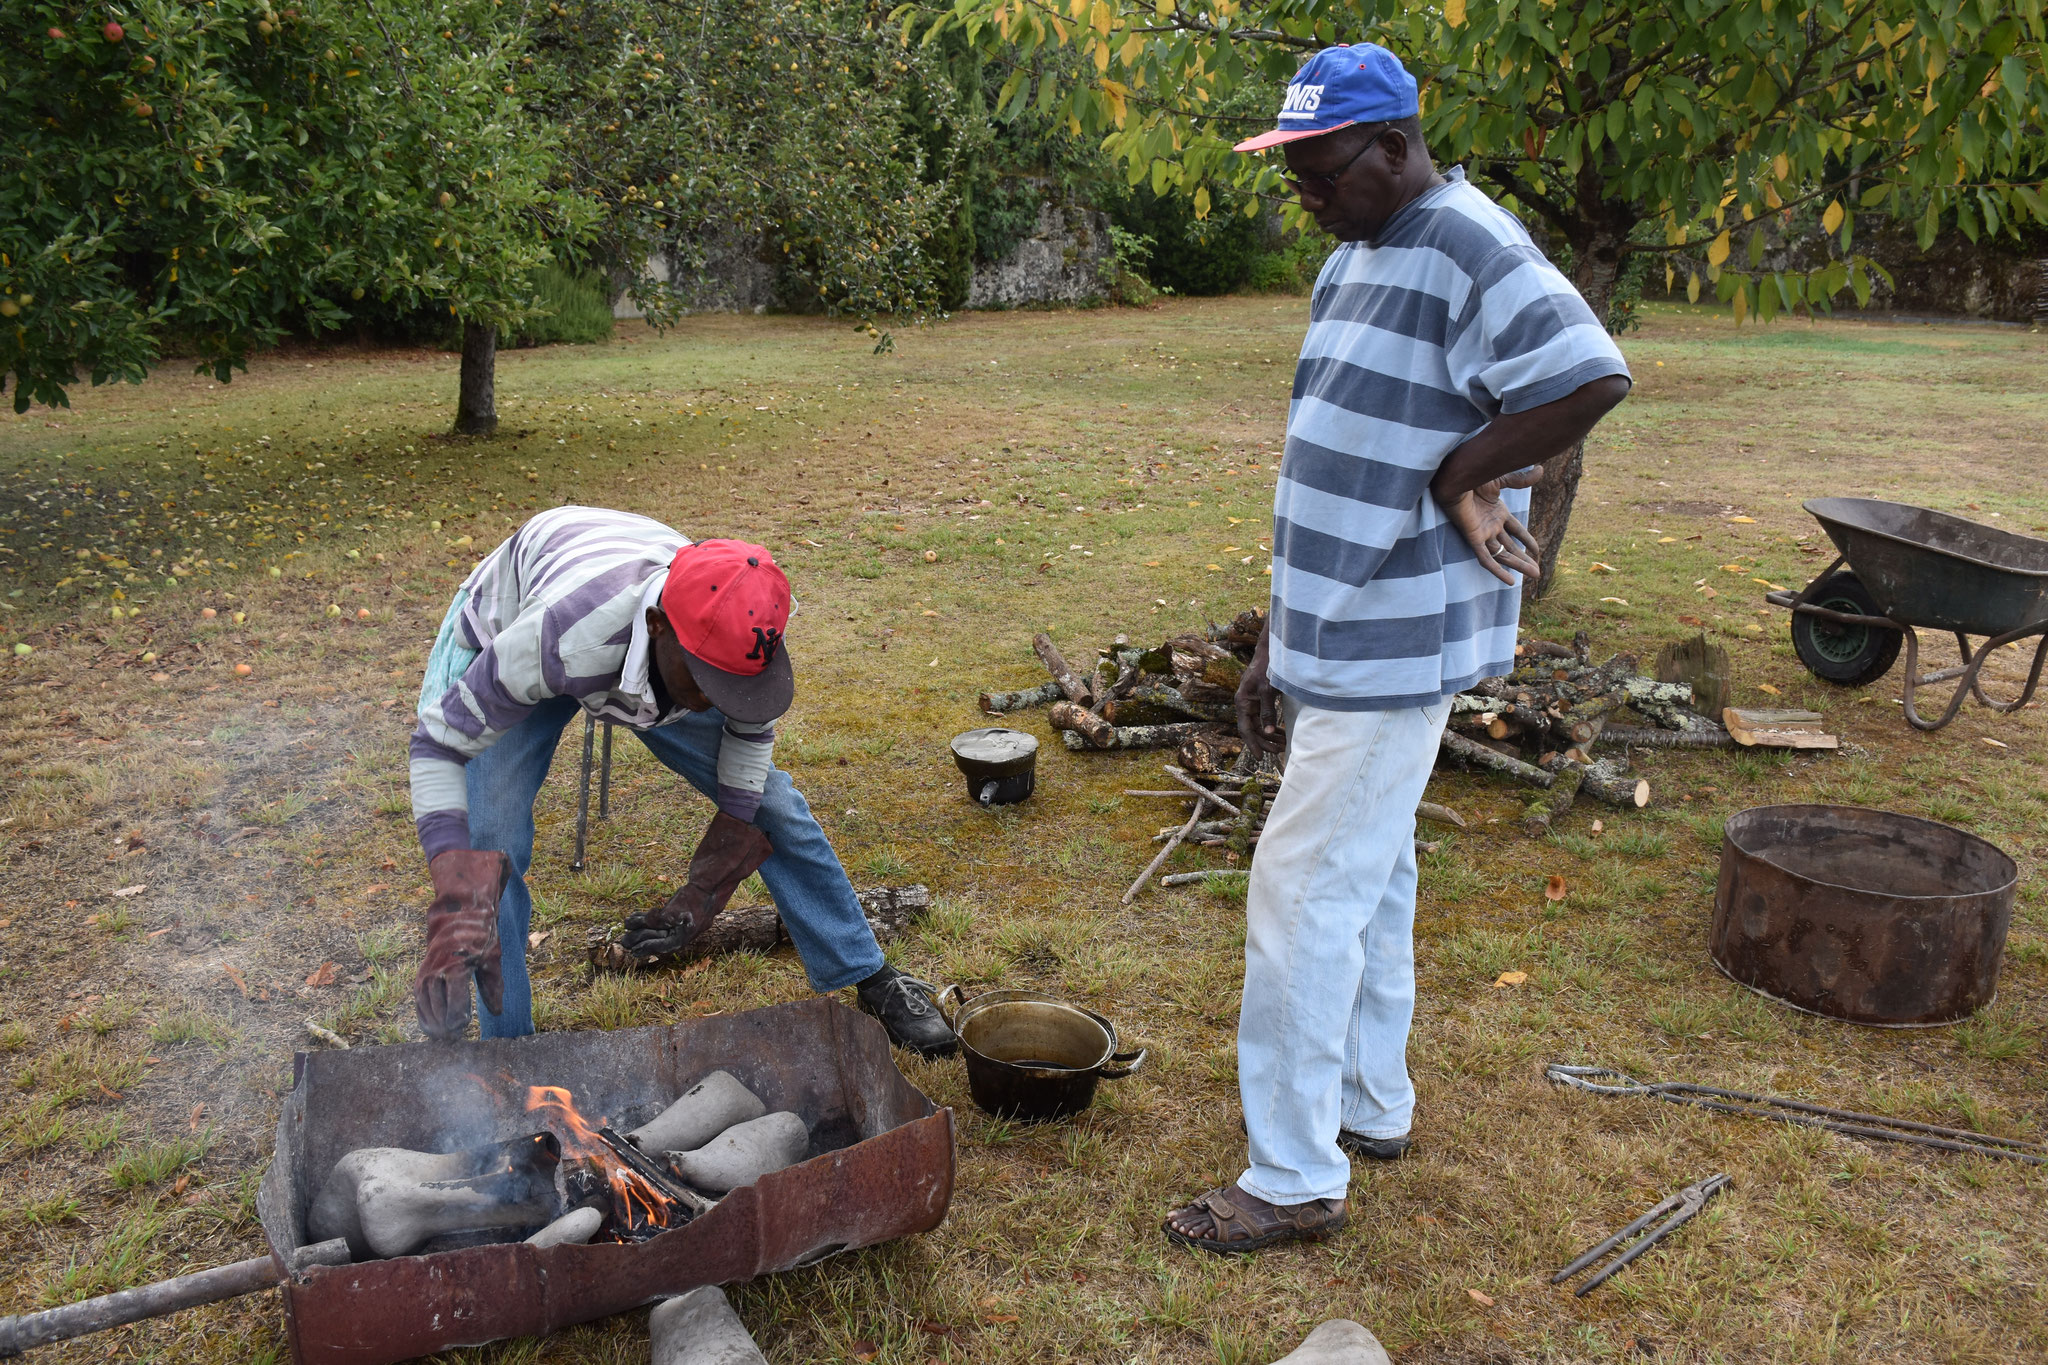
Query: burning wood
(641, 1203)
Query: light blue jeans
(1329, 956)
(803, 874)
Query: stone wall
(1064, 260)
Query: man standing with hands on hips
(1445, 359)
(681, 643)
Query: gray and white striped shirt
(559, 609)
(1415, 342)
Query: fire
(636, 1201)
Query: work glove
(462, 940)
(730, 851)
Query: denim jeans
(1329, 957)
(803, 874)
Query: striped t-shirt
(1415, 342)
(558, 610)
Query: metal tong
(1681, 1207)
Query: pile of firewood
(1539, 725)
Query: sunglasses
(1324, 186)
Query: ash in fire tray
(707, 1152)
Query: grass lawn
(1083, 473)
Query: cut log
(1711, 737)
(890, 912)
(1159, 705)
(1078, 719)
(1138, 736)
(1478, 755)
(1582, 722)
(1608, 780)
(996, 703)
(1443, 815)
(1075, 690)
(1701, 666)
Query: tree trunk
(476, 410)
(1596, 264)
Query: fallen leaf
(1743, 521)
(1554, 888)
(1733, 568)
(863, 1350)
(135, 890)
(1710, 592)
(1618, 601)
(1598, 566)
(1598, 826)
(1994, 743)
(1480, 1298)
(1428, 1220)
(1766, 687)
(324, 975)
(236, 977)
(999, 1319)
(1667, 540)
(1692, 621)
(182, 1183)
(1510, 978)
(376, 887)
(538, 937)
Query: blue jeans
(803, 874)
(1329, 955)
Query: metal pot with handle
(1031, 1056)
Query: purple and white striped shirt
(559, 609)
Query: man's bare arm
(1524, 438)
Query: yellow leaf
(1510, 978)
(1743, 521)
(1667, 540)
(1670, 277)
(1201, 201)
(1781, 166)
(1454, 13)
(1101, 52)
(1692, 289)
(1831, 219)
(1741, 306)
(1733, 568)
(1766, 687)
(1717, 252)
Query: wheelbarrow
(1909, 569)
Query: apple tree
(215, 176)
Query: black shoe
(1377, 1149)
(904, 1005)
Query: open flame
(637, 1203)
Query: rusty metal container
(1863, 915)
(881, 1167)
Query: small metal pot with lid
(1034, 1057)
(1000, 764)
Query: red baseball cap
(728, 603)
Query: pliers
(1681, 1206)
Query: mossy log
(996, 703)
(1077, 719)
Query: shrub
(579, 310)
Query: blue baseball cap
(1340, 86)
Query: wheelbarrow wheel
(1846, 655)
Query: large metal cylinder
(1863, 915)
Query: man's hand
(462, 939)
(1495, 534)
(1258, 705)
(730, 851)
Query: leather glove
(462, 940)
(731, 849)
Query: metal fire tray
(881, 1167)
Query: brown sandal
(1244, 1222)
